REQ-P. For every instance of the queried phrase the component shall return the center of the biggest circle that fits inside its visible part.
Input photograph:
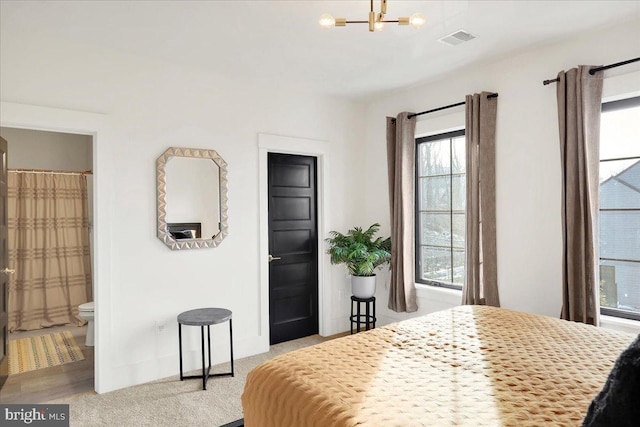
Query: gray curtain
(401, 147)
(579, 105)
(481, 278)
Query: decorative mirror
(192, 198)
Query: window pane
(624, 172)
(620, 235)
(619, 218)
(459, 157)
(619, 184)
(458, 266)
(435, 193)
(458, 229)
(436, 229)
(440, 225)
(620, 133)
(434, 158)
(459, 191)
(620, 285)
(436, 264)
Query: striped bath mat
(44, 351)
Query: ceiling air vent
(457, 37)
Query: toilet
(85, 311)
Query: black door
(4, 270)
(293, 247)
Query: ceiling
(280, 43)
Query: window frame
(418, 231)
(609, 106)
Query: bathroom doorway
(50, 246)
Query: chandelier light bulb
(376, 20)
(417, 20)
(327, 21)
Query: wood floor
(42, 385)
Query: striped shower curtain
(48, 248)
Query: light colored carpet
(42, 351)
(171, 402)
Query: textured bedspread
(471, 365)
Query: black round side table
(205, 317)
(368, 318)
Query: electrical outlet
(160, 327)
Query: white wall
(146, 107)
(528, 157)
(34, 149)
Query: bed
(471, 365)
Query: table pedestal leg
(180, 347)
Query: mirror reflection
(192, 198)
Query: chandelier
(376, 19)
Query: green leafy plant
(358, 250)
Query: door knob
(7, 270)
(273, 258)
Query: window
(620, 208)
(440, 209)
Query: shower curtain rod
(52, 171)
(491, 95)
(597, 69)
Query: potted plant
(362, 255)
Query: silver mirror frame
(163, 232)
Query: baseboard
(337, 325)
(168, 365)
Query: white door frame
(69, 121)
(268, 143)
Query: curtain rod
(597, 69)
(52, 171)
(491, 95)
